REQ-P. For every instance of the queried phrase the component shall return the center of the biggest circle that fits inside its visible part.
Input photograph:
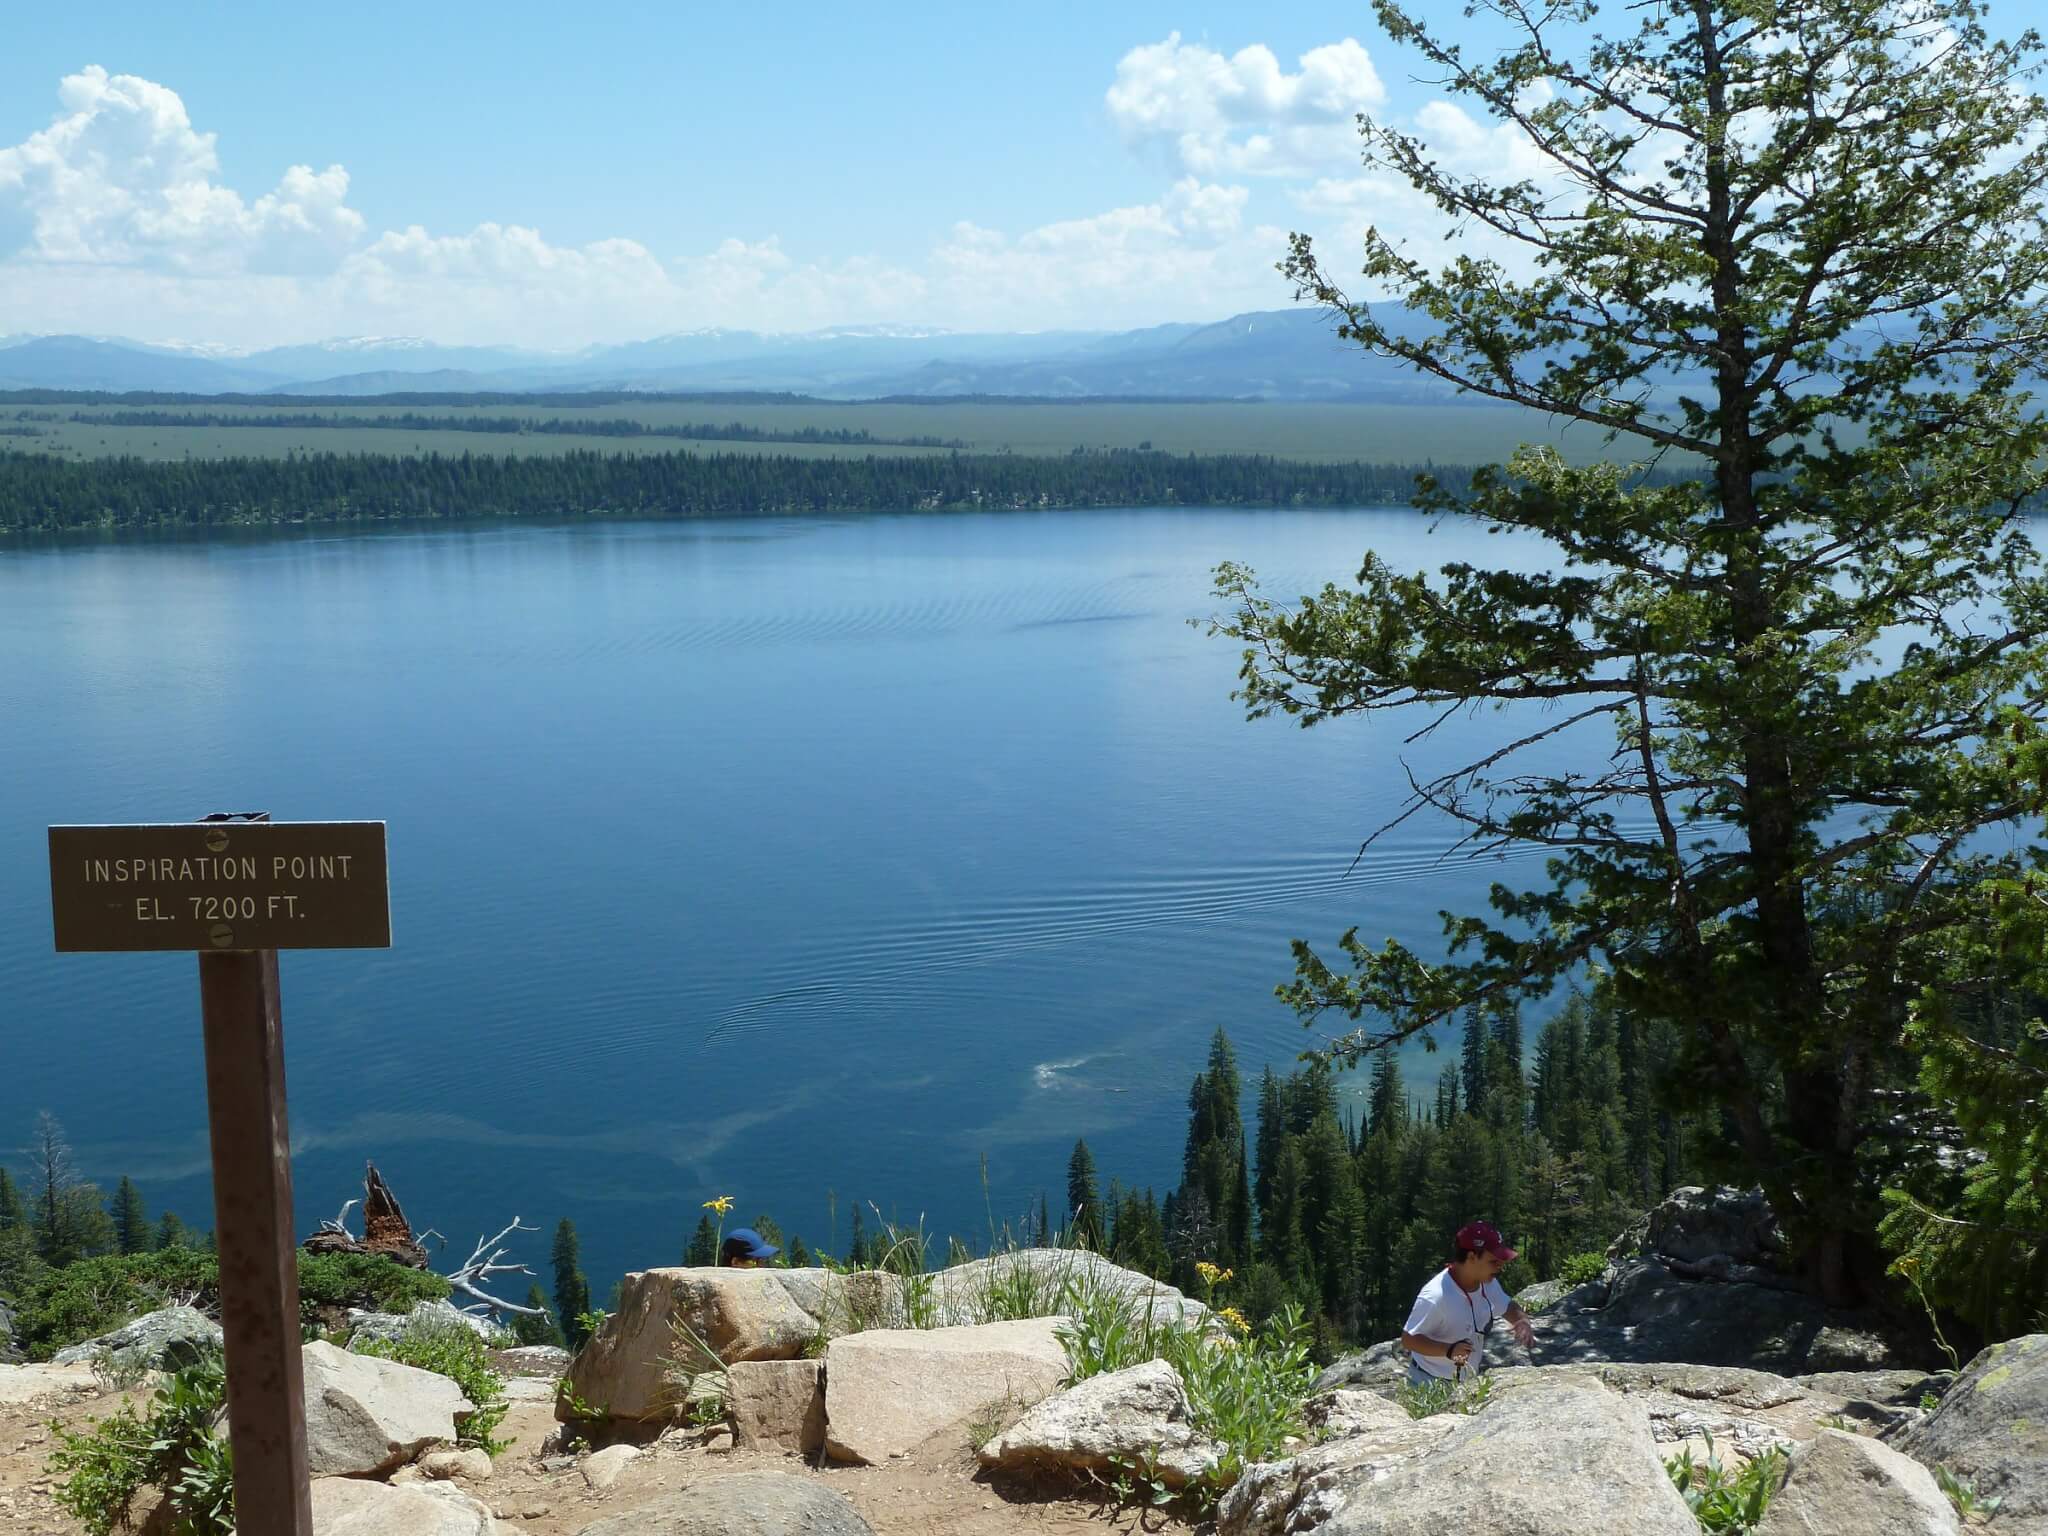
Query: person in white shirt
(1457, 1307)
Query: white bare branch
(483, 1263)
(339, 1225)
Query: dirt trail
(935, 1491)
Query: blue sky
(550, 176)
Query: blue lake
(805, 861)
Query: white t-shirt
(1447, 1312)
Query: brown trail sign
(237, 890)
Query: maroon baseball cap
(1484, 1237)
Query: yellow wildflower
(1211, 1275)
(1235, 1318)
(721, 1205)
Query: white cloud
(1186, 255)
(121, 176)
(114, 220)
(1243, 114)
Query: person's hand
(1459, 1352)
(1524, 1334)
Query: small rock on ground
(602, 1468)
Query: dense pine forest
(1346, 1211)
(43, 495)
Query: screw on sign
(237, 889)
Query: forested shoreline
(39, 494)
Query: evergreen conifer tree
(701, 1250)
(536, 1330)
(1802, 244)
(131, 1222)
(1281, 1240)
(1341, 1241)
(1472, 1060)
(1272, 1127)
(1084, 1199)
(1971, 1233)
(1388, 1103)
(572, 1290)
(13, 1213)
(171, 1232)
(1238, 1224)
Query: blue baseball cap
(745, 1243)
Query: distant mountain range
(1270, 355)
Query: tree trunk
(1811, 1198)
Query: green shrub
(89, 1297)
(364, 1280)
(1724, 1501)
(1581, 1267)
(177, 1447)
(453, 1350)
(1104, 1332)
(1246, 1394)
(1245, 1386)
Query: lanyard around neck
(1490, 1316)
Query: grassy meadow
(1445, 434)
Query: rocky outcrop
(777, 1403)
(1049, 1282)
(1654, 1313)
(836, 1303)
(889, 1390)
(535, 1359)
(630, 1369)
(1841, 1484)
(388, 1327)
(366, 1416)
(1377, 1368)
(1671, 1294)
(1303, 1493)
(1887, 1387)
(1543, 1295)
(759, 1503)
(1140, 1413)
(1991, 1429)
(24, 1384)
(1556, 1456)
(1693, 1225)
(625, 1371)
(1339, 1415)
(10, 1354)
(168, 1340)
(345, 1506)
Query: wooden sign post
(237, 890)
